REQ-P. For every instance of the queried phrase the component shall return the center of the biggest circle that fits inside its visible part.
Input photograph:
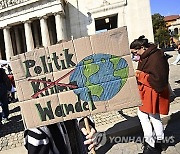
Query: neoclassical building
(29, 24)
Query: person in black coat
(5, 86)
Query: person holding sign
(152, 77)
(54, 138)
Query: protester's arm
(89, 137)
(142, 78)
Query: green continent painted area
(96, 90)
(90, 69)
(122, 73)
(115, 60)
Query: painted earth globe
(100, 75)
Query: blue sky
(165, 7)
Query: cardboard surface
(77, 78)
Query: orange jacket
(152, 102)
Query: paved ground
(114, 124)
(129, 142)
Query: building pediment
(107, 5)
(15, 11)
(6, 5)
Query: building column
(18, 45)
(44, 31)
(36, 37)
(8, 43)
(60, 26)
(28, 35)
(121, 20)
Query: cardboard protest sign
(77, 78)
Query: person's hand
(90, 140)
(137, 72)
